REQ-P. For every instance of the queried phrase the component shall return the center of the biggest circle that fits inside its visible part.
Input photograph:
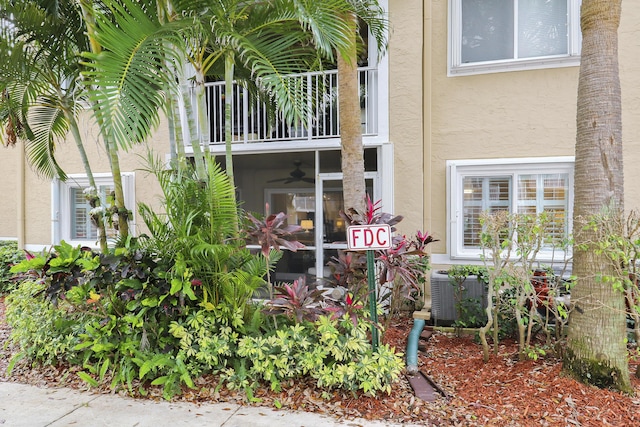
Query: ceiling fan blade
(295, 175)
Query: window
(71, 210)
(508, 35)
(533, 186)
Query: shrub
(9, 255)
(45, 334)
(337, 353)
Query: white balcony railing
(251, 122)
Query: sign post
(370, 237)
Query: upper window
(527, 186)
(508, 35)
(72, 210)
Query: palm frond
(126, 79)
(48, 126)
(373, 15)
(220, 202)
(326, 21)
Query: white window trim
(60, 204)
(455, 67)
(458, 169)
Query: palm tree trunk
(228, 96)
(596, 347)
(192, 127)
(201, 148)
(111, 147)
(176, 131)
(120, 207)
(353, 182)
(73, 125)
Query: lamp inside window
(306, 224)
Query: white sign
(372, 236)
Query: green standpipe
(371, 280)
(412, 346)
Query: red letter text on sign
(371, 236)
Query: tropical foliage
(120, 56)
(9, 255)
(177, 304)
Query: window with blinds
(546, 193)
(482, 194)
(72, 210)
(532, 186)
(82, 227)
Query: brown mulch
(502, 392)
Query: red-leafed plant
(400, 268)
(296, 301)
(352, 304)
(272, 232)
(348, 268)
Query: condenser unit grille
(443, 301)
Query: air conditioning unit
(443, 300)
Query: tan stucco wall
(38, 204)
(516, 114)
(9, 158)
(406, 112)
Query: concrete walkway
(30, 406)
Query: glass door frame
(320, 245)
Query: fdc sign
(373, 236)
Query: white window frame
(61, 204)
(455, 67)
(457, 170)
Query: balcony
(252, 124)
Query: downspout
(20, 209)
(418, 322)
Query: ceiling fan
(295, 175)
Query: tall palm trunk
(75, 131)
(228, 96)
(175, 98)
(120, 206)
(202, 130)
(354, 187)
(596, 347)
(110, 145)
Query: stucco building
(472, 108)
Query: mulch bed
(502, 392)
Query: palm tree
(352, 160)
(596, 344)
(255, 44)
(125, 95)
(41, 87)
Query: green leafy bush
(9, 255)
(45, 334)
(470, 312)
(337, 353)
(197, 230)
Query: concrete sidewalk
(25, 405)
